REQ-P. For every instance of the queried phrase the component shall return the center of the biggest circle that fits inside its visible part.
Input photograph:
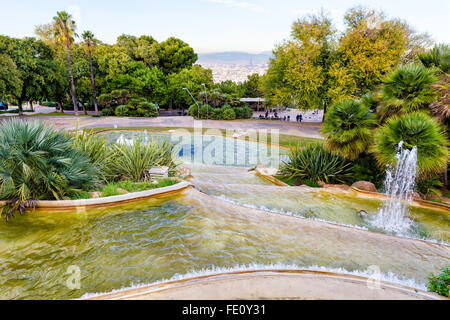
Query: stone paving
(310, 130)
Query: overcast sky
(211, 25)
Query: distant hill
(234, 57)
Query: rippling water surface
(157, 239)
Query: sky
(211, 25)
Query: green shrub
(440, 283)
(428, 187)
(239, 113)
(216, 113)
(365, 169)
(315, 163)
(193, 111)
(228, 114)
(106, 112)
(122, 111)
(226, 107)
(248, 113)
(132, 162)
(49, 104)
(139, 107)
(38, 162)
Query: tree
(252, 87)
(175, 55)
(10, 82)
(144, 48)
(371, 46)
(191, 79)
(414, 129)
(35, 64)
(407, 89)
(89, 42)
(298, 73)
(64, 32)
(348, 128)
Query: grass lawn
(284, 139)
(111, 189)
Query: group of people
(267, 116)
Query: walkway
(309, 130)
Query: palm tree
(348, 128)
(64, 31)
(414, 129)
(407, 89)
(89, 42)
(438, 57)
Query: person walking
(300, 117)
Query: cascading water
(399, 186)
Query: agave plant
(39, 163)
(133, 161)
(348, 128)
(407, 89)
(315, 163)
(414, 129)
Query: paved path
(310, 130)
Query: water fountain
(399, 186)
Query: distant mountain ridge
(234, 57)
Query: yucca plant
(407, 89)
(133, 161)
(348, 128)
(315, 163)
(38, 162)
(414, 129)
(97, 149)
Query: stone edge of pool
(272, 284)
(110, 201)
(367, 194)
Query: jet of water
(399, 186)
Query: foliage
(414, 129)
(440, 283)
(37, 163)
(371, 46)
(141, 108)
(216, 113)
(122, 111)
(175, 55)
(9, 76)
(365, 169)
(133, 162)
(407, 89)
(427, 187)
(106, 112)
(297, 74)
(96, 148)
(229, 114)
(315, 163)
(437, 57)
(348, 128)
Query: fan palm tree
(64, 31)
(348, 128)
(407, 89)
(414, 129)
(438, 57)
(89, 42)
(39, 163)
